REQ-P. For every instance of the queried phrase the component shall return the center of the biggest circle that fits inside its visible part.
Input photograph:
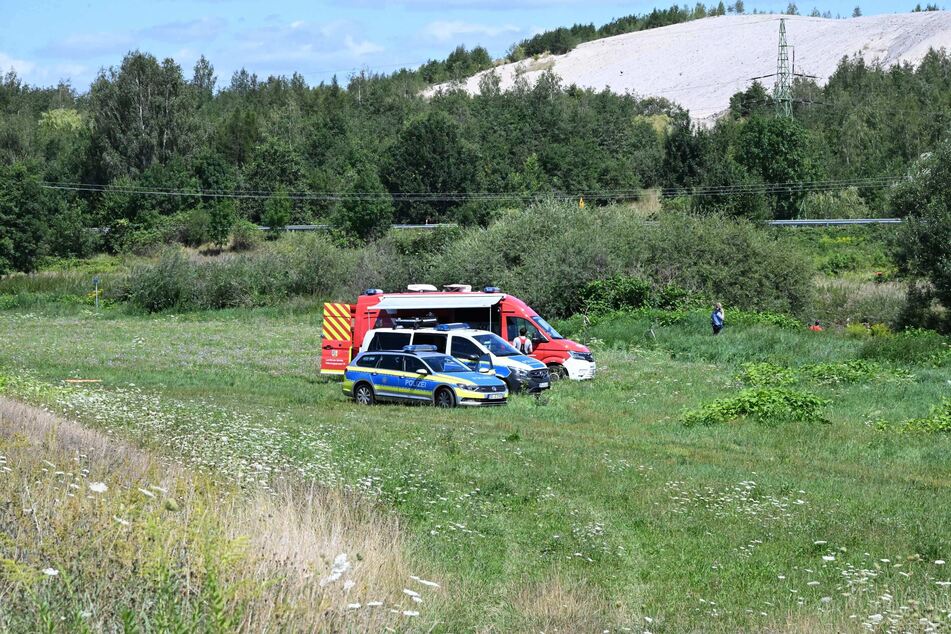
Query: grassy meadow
(591, 508)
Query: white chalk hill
(701, 64)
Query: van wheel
(444, 398)
(363, 394)
(557, 372)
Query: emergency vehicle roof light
(421, 288)
(415, 322)
(457, 288)
(373, 291)
(456, 326)
(491, 289)
(422, 347)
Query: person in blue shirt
(716, 318)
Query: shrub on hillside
(549, 253)
(767, 405)
(907, 347)
(245, 236)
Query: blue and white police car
(479, 349)
(420, 374)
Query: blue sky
(49, 40)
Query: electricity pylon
(782, 89)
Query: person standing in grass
(815, 327)
(716, 318)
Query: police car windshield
(544, 325)
(444, 363)
(497, 345)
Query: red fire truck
(345, 325)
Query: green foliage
(277, 213)
(561, 40)
(369, 212)
(938, 420)
(222, 217)
(908, 347)
(767, 405)
(925, 200)
(625, 293)
(778, 150)
(854, 371)
(142, 115)
(245, 235)
(431, 157)
(22, 218)
(196, 227)
(765, 374)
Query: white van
(472, 347)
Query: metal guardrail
(823, 222)
(326, 227)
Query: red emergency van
(490, 309)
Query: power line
(619, 194)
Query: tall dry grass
(96, 535)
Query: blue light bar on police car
(491, 289)
(422, 347)
(455, 326)
(373, 291)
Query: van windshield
(445, 363)
(497, 345)
(544, 325)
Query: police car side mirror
(422, 372)
(489, 371)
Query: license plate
(493, 397)
(543, 385)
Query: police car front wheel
(444, 398)
(363, 394)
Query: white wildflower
(876, 618)
(349, 583)
(98, 487)
(939, 562)
(820, 542)
(50, 572)
(410, 613)
(828, 558)
(341, 565)
(812, 583)
(411, 593)
(353, 606)
(147, 493)
(120, 520)
(374, 604)
(431, 584)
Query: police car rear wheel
(445, 398)
(363, 394)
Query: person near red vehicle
(522, 343)
(345, 325)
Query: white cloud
(446, 30)
(359, 49)
(203, 29)
(89, 45)
(21, 66)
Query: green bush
(549, 254)
(196, 227)
(765, 375)
(245, 236)
(938, 420)
(908, 347)
(767, 405)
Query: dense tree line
(374, 151)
